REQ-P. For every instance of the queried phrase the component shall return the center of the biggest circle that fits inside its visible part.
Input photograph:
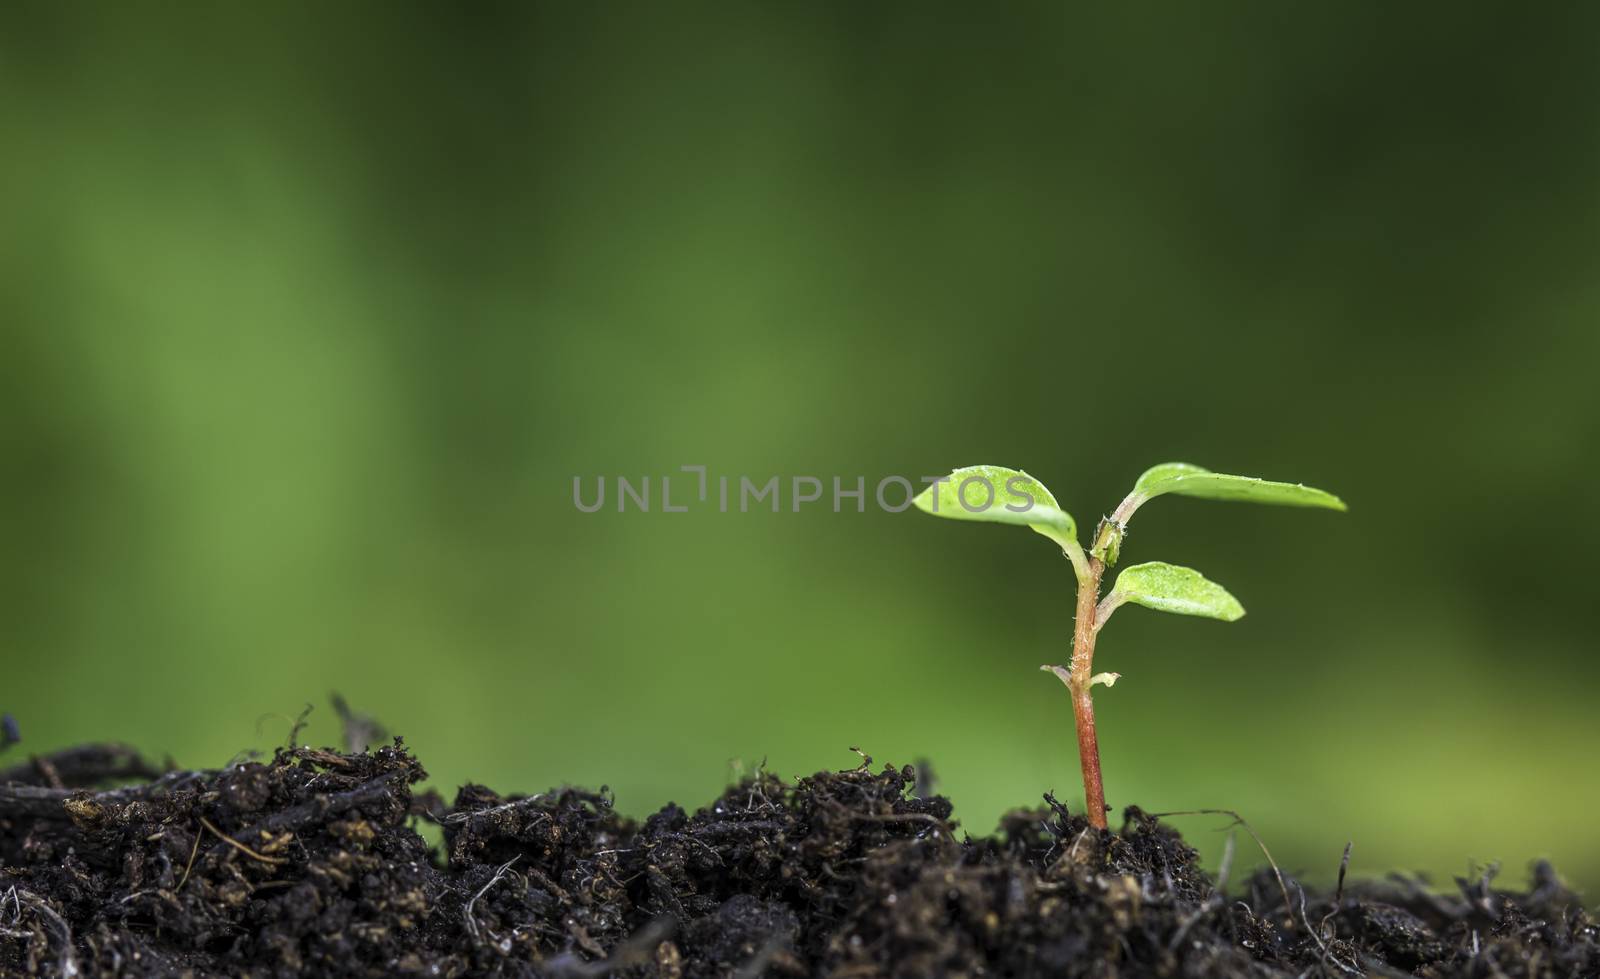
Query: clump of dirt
(310, 864)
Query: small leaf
(1065, 676)
(1184, 479)
(1062, 673)
(1108, 542)
(1170, 588)
(995, 494)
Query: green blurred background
(311, 313)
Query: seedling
(994, 494)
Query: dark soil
(310, 865)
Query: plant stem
(1083, 636)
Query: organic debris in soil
(310, 865)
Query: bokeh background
(311, 313)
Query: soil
(311, 864)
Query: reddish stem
(1083, 636)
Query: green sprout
(994, 494)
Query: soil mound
(310, 864)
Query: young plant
(995, 494)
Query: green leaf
(1170, 588)
(995, 494)
(1184, 479)
(1165, 471)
